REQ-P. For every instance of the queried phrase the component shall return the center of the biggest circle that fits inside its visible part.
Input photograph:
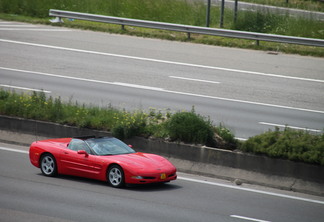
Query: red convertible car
(103, 158)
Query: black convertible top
(87, 137)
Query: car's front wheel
(115, 176)
(48, 165)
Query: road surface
(27, 195)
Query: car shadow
(153, 187)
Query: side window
(77, 145)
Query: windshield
(108, 146)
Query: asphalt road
(27, 195)
(248, 91)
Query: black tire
(48, 165)
(115, 176)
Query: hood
(143, 161)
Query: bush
(288, 144)
(127, 124)
(225, 138)
(190, 127)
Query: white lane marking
(55, 75)
(18, 25)
(196, 80)
(292, 127)
(39, 29)
(24, 88)
(251, 190)
(137, 86)
(163, 61)
(248, 218)
(167, 91)
(212, 183)
(13, 150)
(245, 101)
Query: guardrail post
(188, 35)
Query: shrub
(225, 138)
(129, 124)
(190, 127)
(289, 144)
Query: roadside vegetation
(187, 127)
(174, 11)
(295, 145)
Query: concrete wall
(44, 129)
(254, 163)
(188, 158)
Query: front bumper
(151, 178)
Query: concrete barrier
(278, 173)
(253, 163)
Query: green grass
(265, 22)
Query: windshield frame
(107, 146)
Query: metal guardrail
(186, 28)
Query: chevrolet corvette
(101, 158)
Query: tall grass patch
(266, 22)
(158, 10)
(295, 145)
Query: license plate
(163, 176)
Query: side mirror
(83, 152)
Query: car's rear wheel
(48, 165)
(115, 176)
